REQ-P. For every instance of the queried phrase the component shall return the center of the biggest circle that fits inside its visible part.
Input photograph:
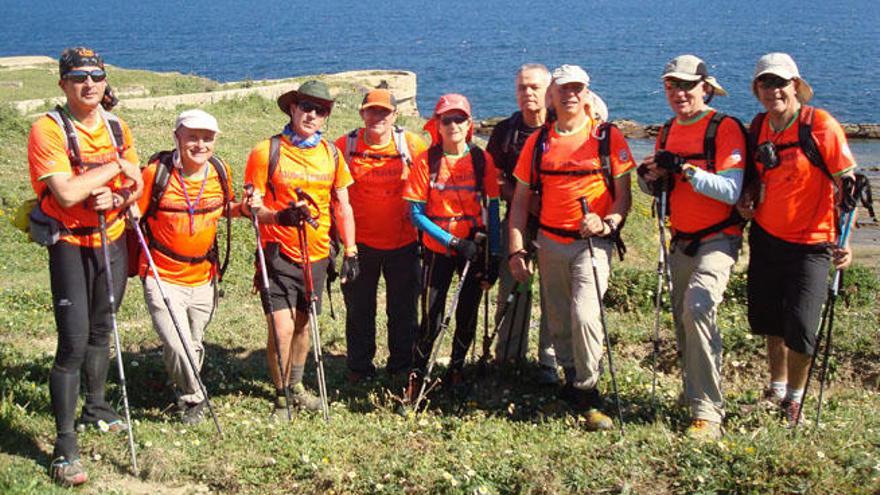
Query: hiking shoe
(357, 377)
(596, 420)
(790, 410)
(769, 400)
(67, 473)
(567, 393)
(548, 375)
(703, 430)
(193, 414)
(112, 426)
(302, 399)
(279, 409)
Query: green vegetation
(507, 437)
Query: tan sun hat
(691, 68)
(782, 65)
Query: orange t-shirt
(690, 210)
(47, 156)
(171, 225)
(560, 198)
(452, 202)
(381, 215)
(798, 198)
(313, 170)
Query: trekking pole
(662, 262)
(827, 319)
(105, 249)
(585, 209)
(487, 340)
(444, 326)
(526, 292)
(186, 350)
(264, 289)
(313, 302)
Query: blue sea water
(475, 47)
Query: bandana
(299, 141)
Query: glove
(492, 269)
(466, 248)
(290, 216)
(351, 268)
(668, 160)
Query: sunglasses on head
(307, 106)
(453, 119)
(80, 76)
(771, 81)
(676, 84)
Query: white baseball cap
(565, 74)
(196, 119)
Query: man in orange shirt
(181, 229)
(379, 156)
(453, 194)
(570, 172)
(703, 180)
(303, 160)
(82, 164)
(794, 232)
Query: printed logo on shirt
(735, 156)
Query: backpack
(164, 167)
(805, 141)
(399, 137)
(708, 154)
(43, 229)
(604, 135)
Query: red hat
(447, 103)
(452, 101)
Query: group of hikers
(419, 213)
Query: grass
(508, 436)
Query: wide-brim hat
(782, 65)
(691, 68)
(310, 90)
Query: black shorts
(787, 286)
(286, 281)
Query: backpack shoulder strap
(402, 146)
(808, 143)
(604, 132)
(755, 130)
(478, 161)
(222, 174)
(117, 135)
(334, 153)
(509, 141)
(274, 152)
(664, 132)
(435, 155)
(60, 117)
(164, 166)
(537, 158)
(709, 147)
(350, 144)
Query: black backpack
(164, 167)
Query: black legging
(82, 317)
(439, 270)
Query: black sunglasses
(676, 84)
(80, 76)
(457, 119)
(771, 81)
(307, 106)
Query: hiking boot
(790, 410)
(358, 377)
(193, 414)
(548, 375)
(567, 393)
(703, 430)
(67, 473)
(302, 399)
(279, 409)
(596, 420)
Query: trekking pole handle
(307, 199)
(585, 207)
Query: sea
(475, 47)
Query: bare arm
(71, 189)
(519, 213)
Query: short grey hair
(534, 66)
